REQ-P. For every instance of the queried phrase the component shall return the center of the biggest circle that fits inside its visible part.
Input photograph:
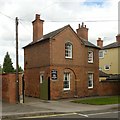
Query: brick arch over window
(73, 77)
(69, 69)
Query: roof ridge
(58, 30)
(111, 45)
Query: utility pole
(17, 74)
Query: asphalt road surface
(97, 114)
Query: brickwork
(37, 28)
(9, 87)
(82, 31)
(32, 80)
(37, 56)
(109, 88)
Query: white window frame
(101, 53)
(106, 66)
(66, 74)
(90, 61)
(41, 78)
(90, 79)
(68, 50)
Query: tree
(0, 69)
(19, 69)
(7, 64)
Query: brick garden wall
(9, 87)
(106, 88)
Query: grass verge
(99, 101)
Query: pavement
(35, 107)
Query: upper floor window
(68, 50)
(101, 54)
(90, 56)
(107, 67)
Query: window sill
(90, 62)
(66, 90)
(101, 57)
(90, 87)
(68, 58)
(107, 69)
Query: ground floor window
(90, 80)
(41, 78)
(66, 83)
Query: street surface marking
(103, 113)
(83, 115)
(55, 115)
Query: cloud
(95, 3)
(56, 13)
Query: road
(97, 114)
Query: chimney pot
(82, 24)
(118, 38)
(37, 16)
(79, 26)
(100, 42)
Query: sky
(100, 16)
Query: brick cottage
(60, 64)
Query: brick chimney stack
(118, 38)
(37, 28)
(82, 31)
(100, 43)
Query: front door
(45, 89)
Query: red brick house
(60, 64)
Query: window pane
(66, 84)
(90, 83)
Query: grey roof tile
(103, 74)
(114, 77)
(112, 45)
(89, 44)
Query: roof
(54, 33)
(111, 77)
(48, 36)
(112, 45)
(103, 74)
(89, 44)
(114, 77)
